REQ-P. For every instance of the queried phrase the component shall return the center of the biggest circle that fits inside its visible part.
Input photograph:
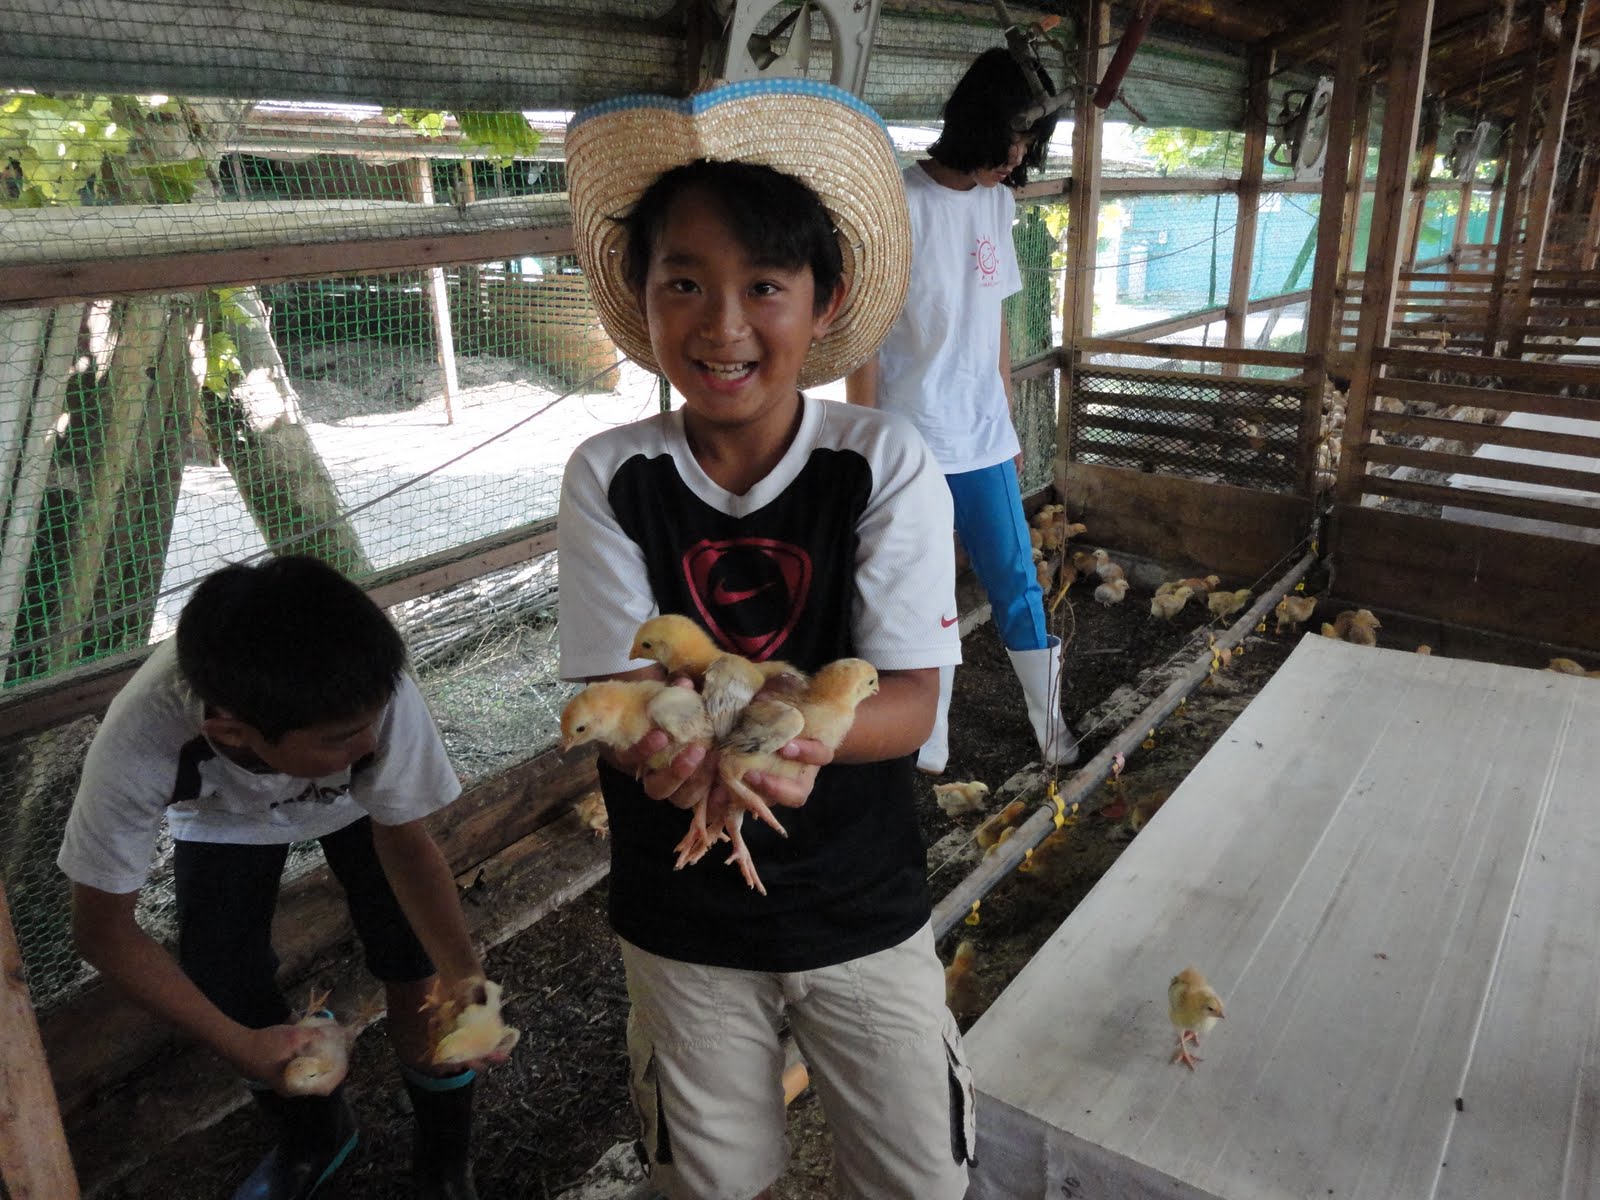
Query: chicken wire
(1237, 431)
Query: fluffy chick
(1293, 611)
(1357, 626)
(677, 643)
(1168, 606)
(960, 799)
(1105, 568)
(591, 810)
(826, 709)
(324, 1061)
(1565, 666)
(467, 1026)
(1224, 604)
(1083, 562)
(1112, 592)
(1048, 857)
(1201, 585)
(960, 988)
(1194, 1008)
(989, 833)
(619, 712)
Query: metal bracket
(743, 54)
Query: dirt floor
(550, 1115)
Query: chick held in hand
(324, 1060)
(1194, 1008)
(464, 1023)
(620, 713)
(826, 707)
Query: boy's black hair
(777, 219)
(977, 129)
(287, 644)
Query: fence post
(34, 1163)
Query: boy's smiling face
(729, 332)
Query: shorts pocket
(963, 1099)
(644, 1088)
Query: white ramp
(1389, 867)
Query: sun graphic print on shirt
(986, 258)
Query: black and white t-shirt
(149, 762)
(843, 549)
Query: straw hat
(814, 131)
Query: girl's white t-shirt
(940, 365)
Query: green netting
(1160, 256)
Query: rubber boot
(1041, 674)
(315, 1136)
(441, 1148)
(935, 752)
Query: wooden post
(439, 299)
(1408, 60)
(34, 1163)
(1497, 193)
(1244, 229)
(1357, 186)
(1417, 201)
(1458, 236)
(1591, 243)
(1542, 195)
(1083, 219)
(1324, 306)
(1511, 213)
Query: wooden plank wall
(1517, 584)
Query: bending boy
(280, 713)
(746, 243)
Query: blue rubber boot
(315, 1136)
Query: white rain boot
(935, 752)
(1041, 674)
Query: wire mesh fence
(1237, 431)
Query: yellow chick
(1036, 538)
(1048, 857)
(1293, 611)
(1001, 840)
(591, 810)
(1112, 592)
(324, 1061)
(1105, 568)
(1201, 585)
(619, 712)
(826, 709)
(677, 643)
(960, 799)
(1424, 649)
(960, 988)
(467, 1027)
(1194, 1008)
(1565, 666)
(1328, 631)
(993, 829)
(1224, 604)
(1168, 606)
(1357, 626)
(1075, 529)
(1083, 562)
(1046, 576)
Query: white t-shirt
(149, 760)
(940, 365)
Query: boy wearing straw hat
(746, 243)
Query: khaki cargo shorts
(884, 1054)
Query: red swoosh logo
(946, 622)
(723, 594)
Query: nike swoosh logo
(946, 622)
(723, 594)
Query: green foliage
(502, 136)
(62, 144)
(1191, 150)
(223, 366)
(58, 143)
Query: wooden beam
(1146, 185)
(1344, 161)
(1417, 198)
(1413, 21)
(1093, 27)
(1204, 354)
(1542, 194)
(34, 1163)
(1244, 229)
(1356, 188)
(62, 283)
